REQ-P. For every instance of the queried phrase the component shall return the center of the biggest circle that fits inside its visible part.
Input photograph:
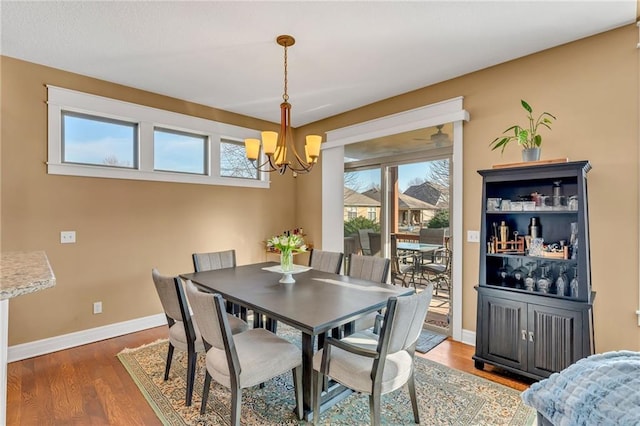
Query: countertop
(24, 273)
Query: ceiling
(347, 54)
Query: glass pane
(182, 152)
(95, 140)
(234, 162)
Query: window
(352, 213)
(175, 151)
(101, 137)
(89, 139)
(234, 162)
(371, 213)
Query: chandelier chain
(285, 96)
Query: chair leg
(169, 358)
(414, 400)
(191, 374)
(374, 409)
(205, 392)
(318, 382)
(297, 383)
(236, 405)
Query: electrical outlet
(68, 237)
(473, 236)
(97, 307)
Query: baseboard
(66, 341)
(468, 337)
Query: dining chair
(372, 268)
(183, 331)
(243, 360)
(376, 364)
(326, 261)
(218, 260)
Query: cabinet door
(504, 331)
(554, 339)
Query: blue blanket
(603, 389)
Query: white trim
(147, 118)
(450, 110)
(468, 337)
(66, 341)
(4, 338)
(418, 118)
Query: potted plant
(527, 137)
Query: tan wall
(124, 228)
(592, 87)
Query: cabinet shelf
(534, 314)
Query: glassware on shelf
(573, 240)
(543, 283)
(504, 272)
(573, 285)
(529, 280)
(519, 274)
(562, 282)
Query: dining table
(314, 304)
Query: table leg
(307, 373)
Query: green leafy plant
(527, 137)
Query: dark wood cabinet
(534, 295)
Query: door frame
(448, 111)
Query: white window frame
(148, 118)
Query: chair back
(432, 236)
(375, 243)
(210, 322)
(372, 268)
(404, 323)
(171, 296)
(363, 236)
(326, 261)
(214, 260)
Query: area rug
(446, 397)
(429, 340)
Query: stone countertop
(24, 273)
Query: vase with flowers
(287, 245)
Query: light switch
(473, 236)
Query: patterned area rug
(446, 396)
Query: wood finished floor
(88, 385)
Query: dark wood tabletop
(316, 303)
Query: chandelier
(278, 146)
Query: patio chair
(376, 364)
(403, 266)
(438, 272)
(241, 361)
(183, 331)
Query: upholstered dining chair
(372, 268)
(376, 364)
(244, 360)
(183, 331)
(326, 261)
(219, 260)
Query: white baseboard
(469, 337)
(66, 341)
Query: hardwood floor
(88, 385)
